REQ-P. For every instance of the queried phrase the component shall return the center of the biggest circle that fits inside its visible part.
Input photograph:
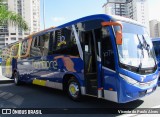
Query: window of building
(20, 39)
(13, 33)
(13, 38)
(2, 43)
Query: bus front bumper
(130, 92)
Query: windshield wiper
(140, 66)
(142, 54)
(146, 46)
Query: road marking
(9, 84)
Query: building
(134, 9)
(30, 11)
(154, 28)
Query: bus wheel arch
(71, 86)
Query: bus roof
(156, 39)
(119, 18)
(104, 17)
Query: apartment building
(134, 9)
(30, 11)
(154, 28)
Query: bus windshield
(136, 49)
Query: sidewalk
(3, 79)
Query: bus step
(93, 83)
(94, 87)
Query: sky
(58, 12)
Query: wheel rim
(15, 78)
(74, 89)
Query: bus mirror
(118, 37)
(118, 33)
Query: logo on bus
(142, 78)
(45, 65)
(62, 41)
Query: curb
(6, 81)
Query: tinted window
(107, 50)
(65, 42)
(35, 47)
(40, 45)
(24, 47)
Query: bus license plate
(149, 90)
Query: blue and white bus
(156, 45)
(103, 56)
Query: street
(30, 96)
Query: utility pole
(44, 13)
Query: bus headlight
(128, 79)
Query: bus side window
(35, 50)
(107, 50)
(65, 42)
(24, 47)
(52, 46)
(44, 43)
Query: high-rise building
(30, 11)
(154, 28)
(134, 9)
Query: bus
(156, 45)
(104, 56)
(9, 57)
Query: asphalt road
(30, 96)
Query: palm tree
(12, 17)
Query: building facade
(134, 9)
(154, 28)
(30, 11)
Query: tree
(13, 18)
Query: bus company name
(45, 64)
(108, 53)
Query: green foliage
(12, 17)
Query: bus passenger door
(90, 64)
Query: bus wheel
(73, 89)
(16, 79)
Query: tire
(16, 79)
(73, 89)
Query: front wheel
(74, 91)
(16, 79)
